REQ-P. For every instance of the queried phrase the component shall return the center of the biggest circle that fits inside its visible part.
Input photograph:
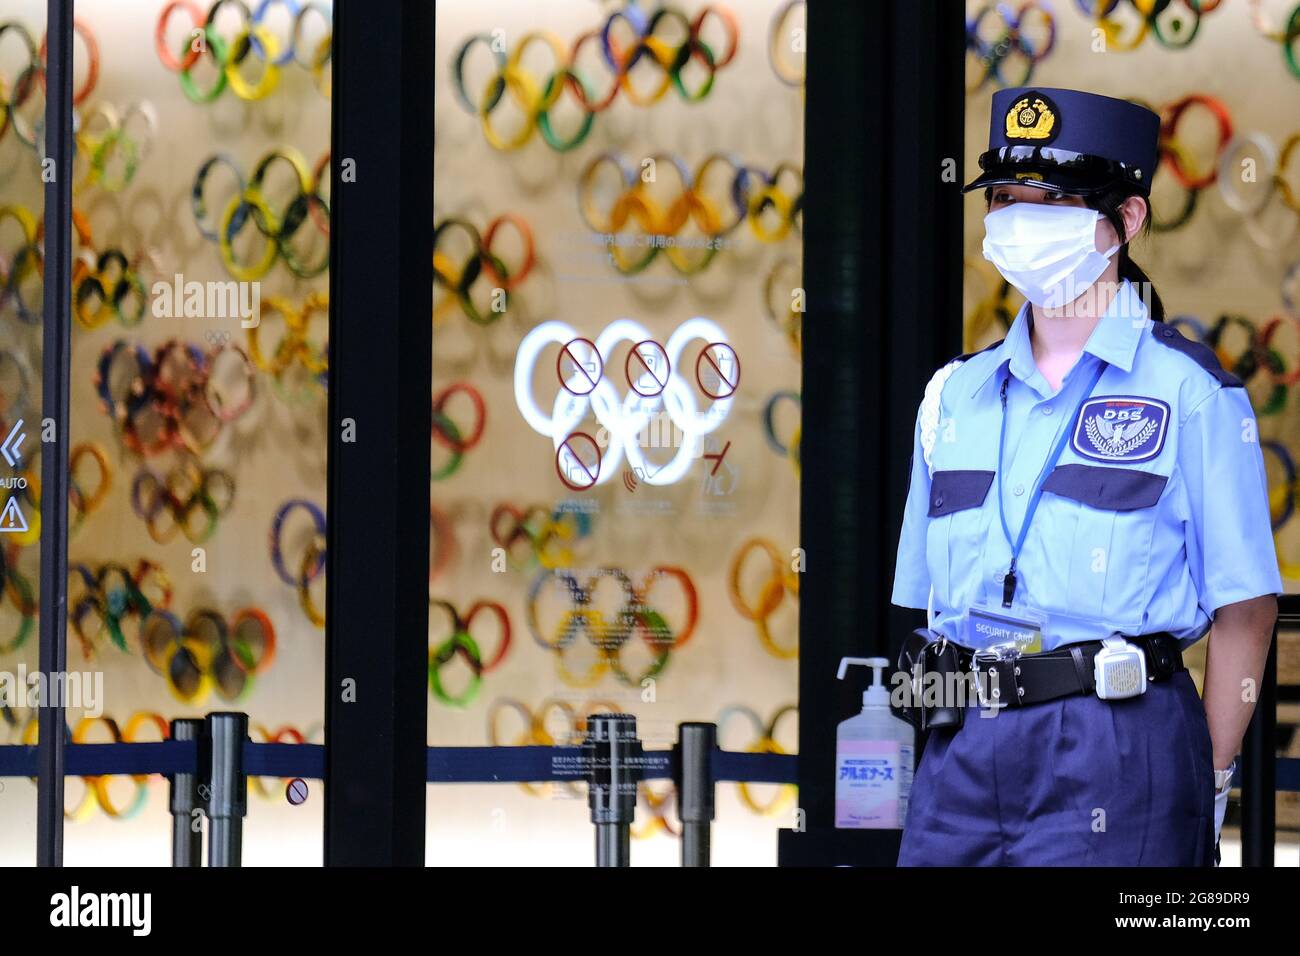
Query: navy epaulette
(1198, 352)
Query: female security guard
(1087, 498)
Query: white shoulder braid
(930, 410)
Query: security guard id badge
(987, 629)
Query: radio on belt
(1119, 669)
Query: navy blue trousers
(1077, 781)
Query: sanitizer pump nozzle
(876, 695)
(873, 758)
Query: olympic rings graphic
(16, 385)
(207, 652)
(459, 279)
(18, 591)
(790, 447)
(143, 726)
(1271, 176)
(536, 733)
(111, 288)
(450, 435)
(459, 642)
(113, 152)
(784, 284)
(535, 98)
(779, 581)
(787, 70)
(609, 634)
(293, 350)
(1288, 36)
(15, 93)
(100, 601)
(993, 49)
(622, 420)
(311, 567)
(25, 263)
(189, 499)
(764, 742)
(181, 397)
(752, 195)
(1282, 494)
(1173, 30)
(545, 535)
(255, 36)
(277, 229)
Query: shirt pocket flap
(1110, 489)
(957, 490)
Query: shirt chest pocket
(955, 532)
(1107, 516)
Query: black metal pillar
(379, 418)
(882, 271)
(56, 356)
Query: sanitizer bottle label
(872, 780)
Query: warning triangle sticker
(11, 519)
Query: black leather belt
(1064, 672)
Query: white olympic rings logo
(622, 418)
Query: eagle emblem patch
(1033, 118)
(1120, 429)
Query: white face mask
(1047, 252)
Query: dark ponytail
(1108, 203)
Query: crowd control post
(695, 787)
(187, 839)
(613, 757)
(223, 766)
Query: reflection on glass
(198, 395)
(22, 226)
(616, 402)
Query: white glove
(1220, 809)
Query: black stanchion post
(223, 747)
(1259, 773)
(187, 839)
(613, 759)
(695, 745)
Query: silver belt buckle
(994, 655)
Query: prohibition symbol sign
(647, 368)
(570, 466)
(296, 791)
(584, 365)
(717, 370)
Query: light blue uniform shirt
(1155, 516)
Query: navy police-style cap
(1069, 141)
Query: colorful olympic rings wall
(460, 278)
(665, 38)
(609, 616)
(180, 397)
(254, 41)
(279, 230)
(715, 197)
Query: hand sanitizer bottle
(873, 759)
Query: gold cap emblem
(1032, 118)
